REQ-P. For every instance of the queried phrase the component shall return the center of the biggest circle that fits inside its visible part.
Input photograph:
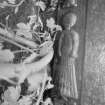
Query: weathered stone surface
(94, 74)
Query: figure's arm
(75, 44)
(60, 44)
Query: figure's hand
(72, 60)
(74, 55)
(60, 53)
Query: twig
(2, 25)
(19, 39)
(23, 50)
(12, 5)
(14, 43)
(8, 70)
(43, 88)
(35, 67)
(38, 65)
(18, 51)
(21, 2)
(8, 80)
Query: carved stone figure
(64, 69)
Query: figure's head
(69, 3)
(69, 20)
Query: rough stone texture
(94, 73)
